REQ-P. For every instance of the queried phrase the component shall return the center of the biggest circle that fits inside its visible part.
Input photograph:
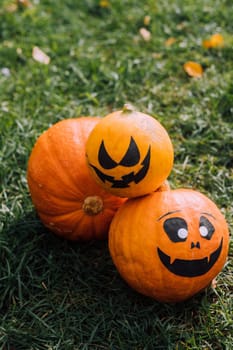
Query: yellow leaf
(40, 56)
(146, 20)
(145, 34)
(104, 3)
(206, 43)
(19, 51)
(216, 40)
(170, 41)
(193, 69)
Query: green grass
(58, 295)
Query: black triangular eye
(104, 159)
(132, 155)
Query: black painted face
(131, 158)
(177, 230)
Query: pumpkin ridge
(51, 193)
(57, 223)
(81, 132)
(76, 204)
(88, 224)
(80, 219)
(67, 178)
(61, 213)
(54, 170)
(110, 203)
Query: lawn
(55, 294)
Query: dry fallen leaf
(193, 69)
(24, 3)
(146, 20)
(145, 34)
(170, 41)
(18, 4)
(104, 3)
(156, 55)
(181, 25)
(19, 51)
(11, 8)
(216, 40)
(214, 283)
(206, 43)
(40, 56)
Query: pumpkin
(68, 201)
(169, 245)
(164, 187)
(129, 153)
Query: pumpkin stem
(128, 108)
(93, 205)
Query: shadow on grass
(50, 284)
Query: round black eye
(176, 229)
(206, 229)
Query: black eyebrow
(212, 216)
(168, 213)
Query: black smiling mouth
(190, 268)
(128, 178)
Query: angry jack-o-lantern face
(130, 160)
(175, 242)
(129, 153)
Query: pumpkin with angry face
(129, 153)
(169, 245)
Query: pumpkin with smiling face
(129, 153)
(169, 245)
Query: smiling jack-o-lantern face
(169, 245)
(196, 240)
(129, 153)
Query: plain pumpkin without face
(169, 245)
(129, 153)
(68, 200)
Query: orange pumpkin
(67, 199)
(169, 245)
(129, 153)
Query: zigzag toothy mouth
(128, 178)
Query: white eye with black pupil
(203, 231)
(182, 233)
